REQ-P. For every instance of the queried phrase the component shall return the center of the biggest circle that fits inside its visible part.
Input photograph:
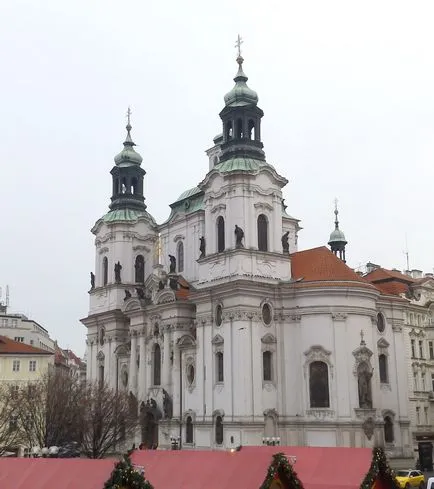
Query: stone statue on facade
(365, 391)
(140, 293)
(92, 280)
(202, 247)
(285, 242)
(118, 268)
(239, 236)
(172, 267)
(127, 295)
(167, 405)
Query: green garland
(125, 476)
(281, 469)
(381, 470)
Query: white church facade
(242, 337)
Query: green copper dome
(241, 94)
(337, 236)
(128, 156)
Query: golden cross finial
(238, 44)
(129, 116)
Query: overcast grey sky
(347, 91)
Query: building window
(189, 430)
(266, 314)
(425, 410)
(157, 365)
(4, 323)
(20, 339)
(101, 375)
(190, 374)
(420, 349)
(415, 383)
(180, 260)
(105, 270)
(389, 436)
(380, 323)
(32, 342)
(139, 267)
(382, 364)
(418, 415)
(422, 376)
(14, 323)
(413, 348)
(220, 234)
(319, 385)
(431, 350)
(218, 315)
(432, 382)
(267, 366)
(262, 233)
(219, 366)
(32, 366)
(13, 422)
(101, 336)
(219, 430)
(16, 366)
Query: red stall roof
(46, 473)
(316, 467)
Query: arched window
(189, 430)
(219, 430)
(134, 186)
(380, 323)
(382, 364)
(319, 385)
(157, 365)
(266, 365)
(180, 258)
(262, 233)
(389, 436)
(140, 269)
(239, 133)
(251, 128)
(219, 366)
(105, 270)
(123, 186)
(228, 131)
(220, 234)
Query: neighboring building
(21, 363)
(19, 328)
(412, 295)
(239, 335)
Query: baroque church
(242, 337)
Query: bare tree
(110, 418)
(50, 410)
(9, 432)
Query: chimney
(429, 275)
(416, 273)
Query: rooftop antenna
(406, 253)
(7, 295)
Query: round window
(266, 313)
(381, 326)
(218, 315)
(101, 336)
(190, 374)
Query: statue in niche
(160, 285)
(202, 247)
(364, 384)
(127, 295)
(118, 268)
(167, 405)
(172, 267)
(92, 280)
(140, 293)
(285, 242)
(239, 236)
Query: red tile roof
(321, 265)
(183, 291)
(384, 274)
(11, 347)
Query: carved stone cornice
(397, 325)
(339, 316)
(101, 251)
(320, 413)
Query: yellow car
(409, 479)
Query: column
(141, 388)
(166, 363)
(132, 378)
(176, 382)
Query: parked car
(409, 479)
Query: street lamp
(271, 441)
(174, 441)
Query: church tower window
(180, 258)
(220, 234)
(140, 269)
(219, 367)
(389, 436)
(319, 385)
(157, 365)
(267, 366)
(262, 233)
(189, 430)
(382, 364)
(105, 270)
(219, 430)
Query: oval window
(190, 374)
(266, 313)
(218, 315)
(381, 326)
